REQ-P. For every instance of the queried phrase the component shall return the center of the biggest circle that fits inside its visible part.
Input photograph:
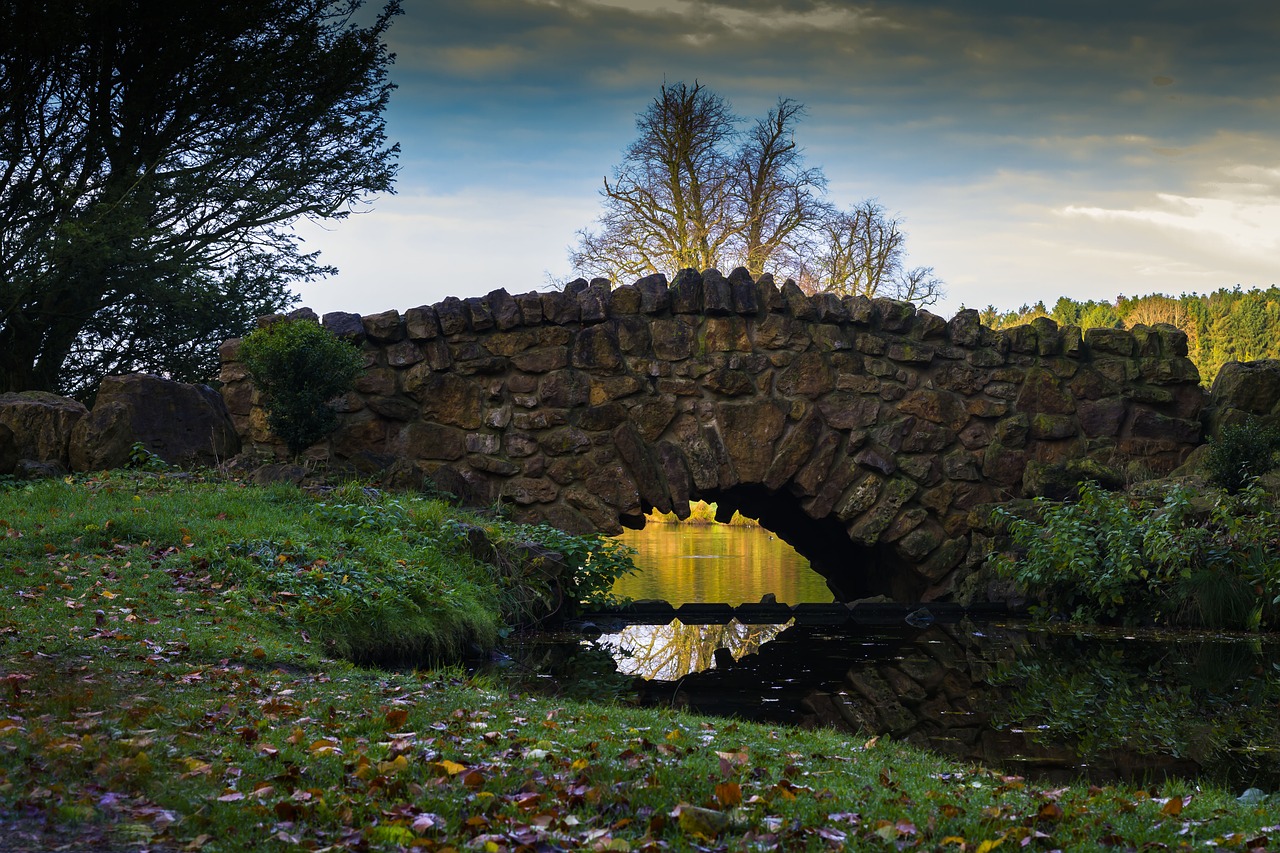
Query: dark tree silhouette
(153, 158)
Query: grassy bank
(171, 677)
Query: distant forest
(1226, 325)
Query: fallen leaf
(452, 768)
(426, 821)
(700, 822)
(1050, 811)
(728, 794)
(324, 746)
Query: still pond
(1049, 701)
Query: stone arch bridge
(862, 431)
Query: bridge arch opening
(733, 560)
(851, 571)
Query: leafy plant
(593, 562)
(299, 366)
(1241, 453)
(143, 459)
(1147, 559)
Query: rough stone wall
(862, 431)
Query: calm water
(1060, 703)
(1057, 703)
(1052, 703)
(683, 563)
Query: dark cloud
(1001, 76)
(1107, 136)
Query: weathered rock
(686, 292)
(1061, 481)
(1252, 387)
(8, 451)
(180, 423)
(343, 325)
(1113, 341)
(748, 431)
(383, 328)
(279, 472)
(41, 425)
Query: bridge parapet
(860, 430)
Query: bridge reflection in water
(1107, 705)
(1104, 704)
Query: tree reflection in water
(669, 652)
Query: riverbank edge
(147, 703)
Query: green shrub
(593, 562)
(299, 366)
(1241, 453)
(1147, 559)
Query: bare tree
(919, 285)
(777, 197)
(861, 254)
(861, 250)
(668, 204)
(693, 192)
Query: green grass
(160, 688)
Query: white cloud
(825, 17)
(416, 249)
(1237, 222)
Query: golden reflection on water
(669, 652)
(683, 563)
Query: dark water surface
(1056, 703)
(1053, 702)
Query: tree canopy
(1229, 324)
(153, 158)
(694, 191)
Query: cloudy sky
(1033, 149)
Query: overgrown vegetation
(300, 366)
(362, 574)
(1169, 557)
(160, 689)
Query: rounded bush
(299, 366)
(1241, 453)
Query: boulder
(42, 424)
(180, 423)
(1243, 391)
(8, 451)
